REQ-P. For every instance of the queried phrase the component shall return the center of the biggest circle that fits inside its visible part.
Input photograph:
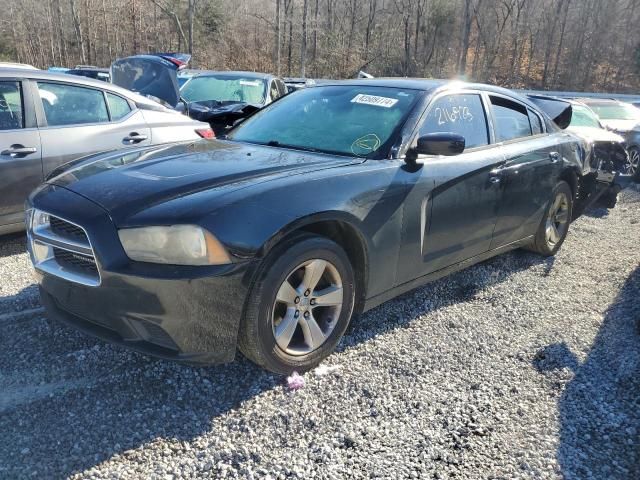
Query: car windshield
(583, 117)
(225, 88)
(616, 111)
(352, 120)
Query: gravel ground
(520, 367)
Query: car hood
(596, 134)
(126, 183)
(151, 75)
(621, 125)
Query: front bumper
(190, 314)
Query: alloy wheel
(634, 161)
(557, 219)
(307, 307)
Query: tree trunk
(78, 29)
(303, 43)
(466, 34)
(276, 43)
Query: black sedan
(322, 205)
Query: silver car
(48, 119)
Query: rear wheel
(555, 225)
(300, 305)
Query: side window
(462, 114)
(70, 105)
(512, 119)
(536, 123)
(282, 88)
(118, 107)
(11, 116)
(273, 89)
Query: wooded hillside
(552, 44)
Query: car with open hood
(219, 98)
(624, 119)
(48, 119)
(322, 205)
(605, 151)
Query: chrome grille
(66, 229)
(61, 248)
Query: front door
(461, 194)
(20, 158)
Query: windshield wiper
(275, 143)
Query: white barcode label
(374, 100)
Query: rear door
(20, 157)
(533, 161)
(77, 120)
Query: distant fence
(623, 97)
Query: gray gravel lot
(520, 367)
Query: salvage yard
(520, 367)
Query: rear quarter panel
(169, 127)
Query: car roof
(429, 85)
(20, 73)
(599, 101)
(256, 75)
(89, 69)
(21, 66)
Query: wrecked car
(624, 119)
(48, 119)
(321, 205)
(218, 98)
(606, 155)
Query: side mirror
(439, 143)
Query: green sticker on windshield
(365, 145)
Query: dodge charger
(320, 206)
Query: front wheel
(300, 305)
(555, 225)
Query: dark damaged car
(218, 98)
(320, 206)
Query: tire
(271, 306)
(547, 242)
(634, 163)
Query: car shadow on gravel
(599, 407)
(459, 287)
(12, 244)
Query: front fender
(370, 200)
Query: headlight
(175, 245)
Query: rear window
(71, 105)
(11, 116)
(511, 118)
(118, 107)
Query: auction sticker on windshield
(374, 100)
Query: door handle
(134, 137)
(554, 156)
(17, 150)
(495, 176)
